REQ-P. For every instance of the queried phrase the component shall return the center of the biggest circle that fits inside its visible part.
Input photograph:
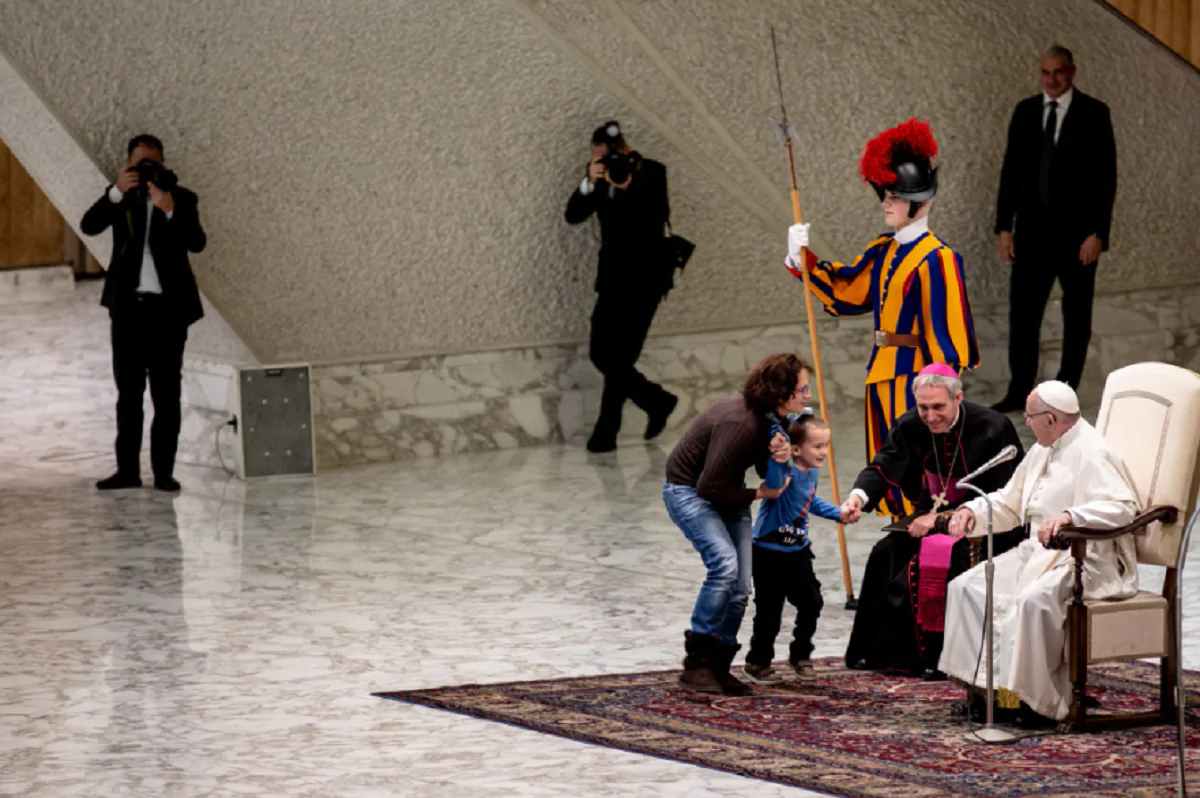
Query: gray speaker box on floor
(275, 429)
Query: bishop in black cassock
(901, 609)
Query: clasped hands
(919, 527)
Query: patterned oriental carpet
(851, 733)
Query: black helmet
(902, 161)
(916, 180)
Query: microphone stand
(990, 733)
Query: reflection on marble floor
(225, 642)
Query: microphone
(1006, 454)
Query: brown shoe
(803, 669)
(759, 674)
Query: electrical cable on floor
(217, 445)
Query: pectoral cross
(938, 501)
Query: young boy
(782, 565)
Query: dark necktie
(1047, 153)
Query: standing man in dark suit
(1059, 181)
(628, 193)
(152, 299)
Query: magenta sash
(934, 563)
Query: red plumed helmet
(902, 161)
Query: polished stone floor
(225, 642)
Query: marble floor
(225, 642)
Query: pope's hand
(962, 522)
(1050, 527)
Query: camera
(619, 165)
(149, 171)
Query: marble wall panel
(427, 406)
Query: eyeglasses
(1035, 415)
(805, 391)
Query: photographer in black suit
(152, 299)
(1059, 181)
(628, 193)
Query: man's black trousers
(620, 323)
(1039, 261)
(147, 343)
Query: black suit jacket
(170, 242)
(1083, 173)
(632, 230)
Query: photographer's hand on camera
(161, 199)
(127, 180)
(596, 172)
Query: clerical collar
(911, 232)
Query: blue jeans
(726, 549)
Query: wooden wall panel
(1194, 38)
(1126, 7)
(41, 236)
(1175, 23)
(31, 229)
(1181, 29)
(1145, 15)
(5, 226)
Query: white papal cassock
(1033, 584)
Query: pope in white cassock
(1070, 477)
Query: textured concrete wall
(70, 179)
(383, 178)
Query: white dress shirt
(148, 282)
(1064, 103)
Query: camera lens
(617, 167)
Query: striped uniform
(914, 289)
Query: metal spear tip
(783, 131)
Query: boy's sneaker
(760, 674)
(803, 669)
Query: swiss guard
(909, 280)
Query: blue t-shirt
(782, 524)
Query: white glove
(797, 238)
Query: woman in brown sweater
(707, 498)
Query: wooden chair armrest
(1068, 535)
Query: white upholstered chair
(1150, 415)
